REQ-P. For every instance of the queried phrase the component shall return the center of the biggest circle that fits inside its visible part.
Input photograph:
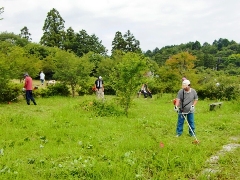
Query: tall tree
(53, 30)
(96, 45)
(221, 43)
(25, 33)
(83, 40)
(126, 43)
(118, 42)
(86, 43)
(70, 40)
(196, 46)
(132, 45)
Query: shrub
(59, 89)
(225, 89)
(10, 92)
(41, 93)
(84, 89)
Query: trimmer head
(196, 142)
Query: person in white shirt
(42, 77)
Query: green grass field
(65, 138)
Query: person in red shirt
(28, 89)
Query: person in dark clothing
(145, 91)
(99, 87)
(28, 89)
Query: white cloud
(155, 23)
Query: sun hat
(185, 83)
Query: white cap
(100, 77)
(185, 83)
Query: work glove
(23, 89)
(192, 108)
(176, 109)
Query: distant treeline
(222, 54)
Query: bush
(84, 90)
(59, 89)
(225, 89)
(41, 93)
(10, 92)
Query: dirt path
(212, 162)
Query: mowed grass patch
(63, 138)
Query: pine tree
(126, 43)
(53, 30)
(25, 33)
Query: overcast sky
(155, 23)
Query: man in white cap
(99, 87)
(185, 105)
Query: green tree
(207, 48)
(104, 69)
(181, 62)
(25, 33)
(37, 50)
(234, 59)
(7, 65)
(132, 45)
(96, 45)
(15, 61)
(48, 66)
(196, 46)
(86, 43)
(160, 56)
(82, 39)
(168, 80)
(53, 30)
(95, 59)
(118, 42)
(126, 43)
(72, 70)
(13, 39)
(44, 56)
(127, 76)
(70, 40)
(208, 61)
(221, 43)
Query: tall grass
(68, 138)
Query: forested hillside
(222, 54)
